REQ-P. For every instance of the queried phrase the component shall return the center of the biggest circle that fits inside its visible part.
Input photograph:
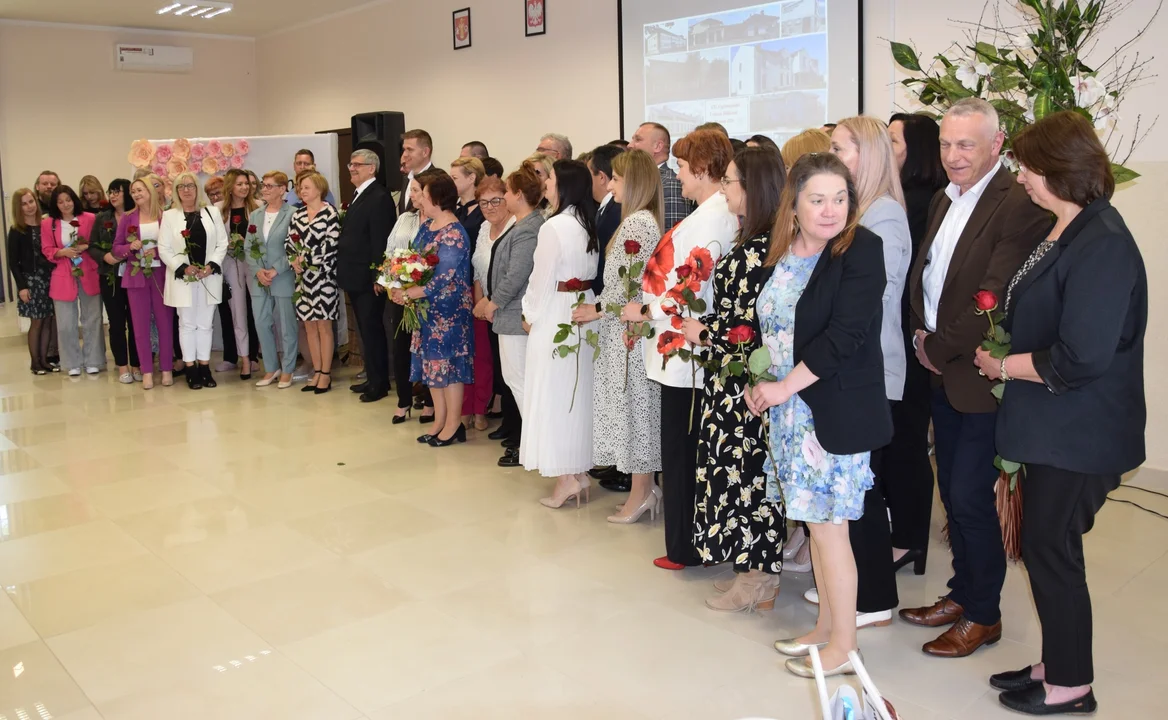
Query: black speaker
(382, 133)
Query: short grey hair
(975, 106)
(367, 156)
(564, 143)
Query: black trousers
(512, 417)
(965, 478)
(121, 326)
(369, 308)
(872, 546)
(679, 456)
(399, 347)
(906, 475)
(1060, 507)
(231, 353)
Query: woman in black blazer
(1073, 407)
(820, 316)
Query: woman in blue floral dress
(820, 316)
(443, 347)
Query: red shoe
(665, 563)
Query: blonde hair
(140, 173)
(471, 165)
(200, 196)
(808, 141)
(155, 201)
(18, 213)
(91, 181)
(280, 177)
(543, 161)
(876, 173)
(643, 189)
(317, 179)
(250, 205)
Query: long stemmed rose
(298, 257)
(1009, 500)
(343, 212)
(256, 251)
(630, 275)
(756, 365)
(77, 270)
(200, 267)
(107, 246)
(140, 264)
(563, 330)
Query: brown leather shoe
(963, 639)
(942, 612)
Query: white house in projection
(659, 40)
(755, 70)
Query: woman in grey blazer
(271, 282)
(507, 278)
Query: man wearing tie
(417, 147)
(361, 245)
(654, 139)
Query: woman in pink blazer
(74, 284)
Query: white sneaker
(75, 372)
(792, 566)
(92, 370)
(876, 619)
(812, 596)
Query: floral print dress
(815, 485)
(442, 348)
(734, 520)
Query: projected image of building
(661, 39)
(749, 25)
(680, 118)
(792, 111)
(756, 70)
(801, 17)
(699, 75)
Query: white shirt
(403, 233)
(481, 260)
(604, 203)
(269, 221)
(362, 187)
(148, 234)
(713, 227)
(941, 253)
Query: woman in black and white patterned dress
(317, 226)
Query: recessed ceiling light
(185, 10)
(168, 8)
(206, 9)
(220, 11)
(200, 11)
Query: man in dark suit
(654, 139)
(417, 147)
(361, 245)
(981, 229)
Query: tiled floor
(244, 553)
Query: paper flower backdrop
(168, 160)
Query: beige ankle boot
(750, 591)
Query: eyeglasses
(727, 181)
(493, 202)
(356, 164)
(186, 186)
(270, 186)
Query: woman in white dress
(626, 410)
(557, 396)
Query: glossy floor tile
(256, 553)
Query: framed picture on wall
(461, 28)
(536, 17)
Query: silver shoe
(794, 648)
(802, 668)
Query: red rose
(683, 271)
(632, 247)
(132, 230)
(105, 203)
(574, 285)
(740, 335)
(416, 275)
(251, 229)
(186, 234)
(75, 223)
(344, 206)
(109, 226)
(669, 342)
(432, 260)
(295, 236)
(986, 301)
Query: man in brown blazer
(981, 229)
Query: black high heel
(312, 387)
(916, 557)
(323, 390)
(458, 436)
(425, 439)
(207, 377)
(426, 418)
(399, 419)
(248, 375)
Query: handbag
(845, 703)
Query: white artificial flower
(967, 76)
(1010, 161)
(982, 69)
(1088, 91)
(1028, 116)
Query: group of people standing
(763, 336)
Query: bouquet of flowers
(405, 269)
(563, 330)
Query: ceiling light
(200, 11)
(168, 8)
(185, 10)
(205, 9)
(220, 11)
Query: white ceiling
(251, 18)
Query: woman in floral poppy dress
(733, 519)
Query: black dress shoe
(359, 387)
(916, 557)
(500, 433)
(1013, 680)
(509, 460)
(373, 395)
(606, 471)
(511, 442)
(458, 436)
(423, 419)
(494, 415)
(620, 483)
(425, 439)
(1032, 701)
(208, 378)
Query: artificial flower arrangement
(169, 160)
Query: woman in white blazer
(192, 243)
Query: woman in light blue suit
(271, 282)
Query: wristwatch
(1005, 375)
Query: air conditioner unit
(154, 58)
